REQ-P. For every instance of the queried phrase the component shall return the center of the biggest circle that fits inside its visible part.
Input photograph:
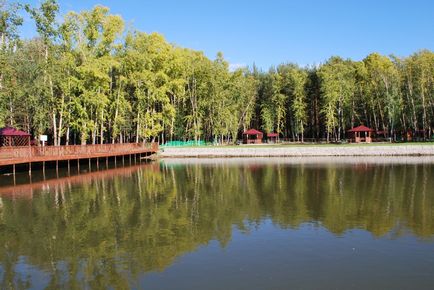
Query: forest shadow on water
(299, 223)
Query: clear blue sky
(275, 31)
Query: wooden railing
(14, 155)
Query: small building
(408, 135)
(272, 137)
(361, 134)
(252, 136)
(12, 137)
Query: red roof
(272, 135)
(9, 131)
(252, 132)
(361, 129)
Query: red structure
(361, 134)
(272, 137)
(27, 190)
(33, 154)
(252, 136)
(12, 137)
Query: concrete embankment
(307, 161)
(299, 151)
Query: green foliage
(10, 20)
(338, 86)
(45, 19)
(384, 87)
(87, 80)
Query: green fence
(185, 143)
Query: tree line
(89, 79)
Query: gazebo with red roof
(361, 134)
(12, 137)
(272, 137)
(252, 136)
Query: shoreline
(297, 151)
(311, 161)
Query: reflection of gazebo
(272, 137)
(12, 137)
(252, 136)
(362, 134)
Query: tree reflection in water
(106, 228)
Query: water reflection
(105, 229)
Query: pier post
(90, 166)
(13, 170)
(106, 162)
(43, 170)
(69, 168)
(116, 161)
(78, 166)
(130, 158)
(30, 168)
(97, 163)
(57, 168)
(123, 160)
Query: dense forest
(91, 79)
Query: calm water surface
(222, 224)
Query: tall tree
(338, 88)
(9, 23)
(47, 27)
(384, 87)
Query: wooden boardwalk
(34, 154)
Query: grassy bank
(307, 145)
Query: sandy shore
(298, 151)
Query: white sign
(43, 138)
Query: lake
(282, 223)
